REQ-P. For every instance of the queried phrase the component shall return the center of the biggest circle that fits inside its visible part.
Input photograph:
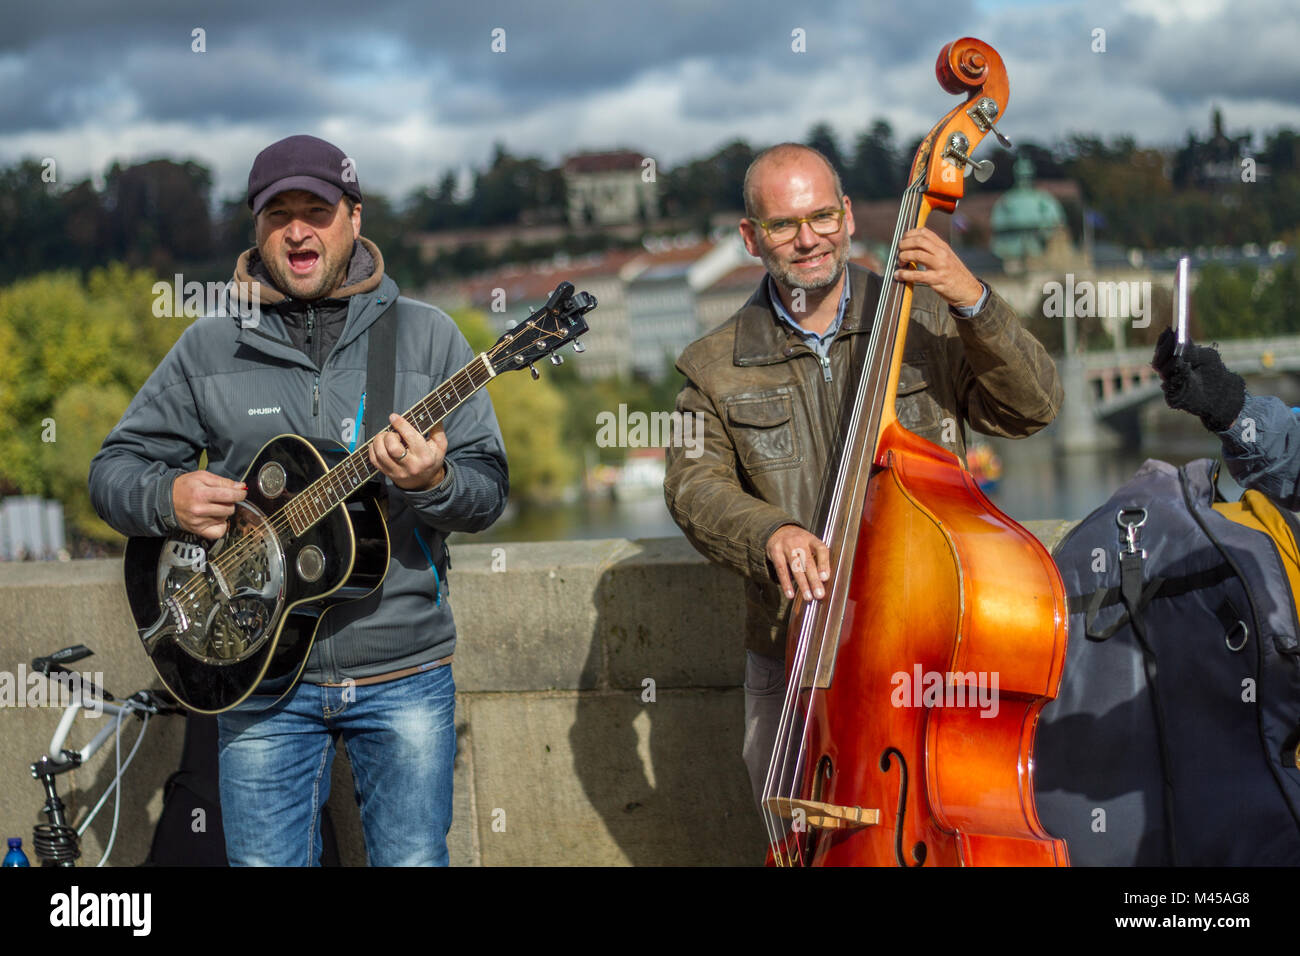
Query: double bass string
(780, 774)
(788, 776)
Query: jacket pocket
(763, 431)
(916, 407)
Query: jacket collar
(368, 296)
(365, 271)
(763, 339)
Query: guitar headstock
(556, 324)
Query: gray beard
(791, 281)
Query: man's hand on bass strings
(801, 561)
(932, 262)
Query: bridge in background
(1105, 390)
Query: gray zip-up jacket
(229, 387)
(1262, 449)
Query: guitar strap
(381, 370)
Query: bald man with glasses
(769, 387)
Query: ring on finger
(405, 452)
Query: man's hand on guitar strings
(413, 462)
(203, 501)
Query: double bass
(915, 685)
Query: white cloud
(1184, 11)
(407, 117)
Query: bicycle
(55, 842)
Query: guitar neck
(335, 486)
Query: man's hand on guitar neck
(415, 463)
(202, 502)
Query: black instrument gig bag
(1173, 738)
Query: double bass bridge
(825, 816)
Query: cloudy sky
(412, 89)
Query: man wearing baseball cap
(379, 674)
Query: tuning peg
(557, 358)
(985, 113)
(579, 347)
(532, 370)
(957, 151)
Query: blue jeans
(275, 770)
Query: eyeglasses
(825, 222)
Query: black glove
(1198, 382)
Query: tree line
(78, 263)
(74, 350)
(1213, 189)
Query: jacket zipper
(826, 366)
(315, 382)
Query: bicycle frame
(56, 753)
(56, 843)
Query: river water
(1038, 482)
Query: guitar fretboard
(335, 486)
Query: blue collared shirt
(820, 344)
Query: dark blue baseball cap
(301, 162)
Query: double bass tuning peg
(957, 148)
(985, 113)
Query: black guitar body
(220, 620)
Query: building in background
(1029, 228)
(508, 295)
(717, 302)
(663, 289)
(661, 311)
(614, 188)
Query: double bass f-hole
(918, 850)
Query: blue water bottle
(16, 856)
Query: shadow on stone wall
(656, 746)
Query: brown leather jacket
(769, 418)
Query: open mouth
(303, 262)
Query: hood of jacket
(365, 272)
(313, 327)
